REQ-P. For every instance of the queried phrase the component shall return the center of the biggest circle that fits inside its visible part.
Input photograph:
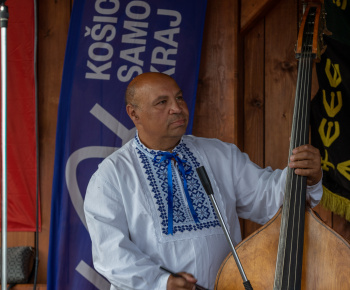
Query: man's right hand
(181, 280)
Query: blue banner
(109, 43)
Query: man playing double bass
(146, 208)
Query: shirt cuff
(314, 193)
(162, 281)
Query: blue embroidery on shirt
(156, 174)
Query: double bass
(295, 249)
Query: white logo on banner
(72, 183)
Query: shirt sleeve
(260, 191)
(115, 256)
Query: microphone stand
(202, 174)
(4, 15)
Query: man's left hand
(306, 160)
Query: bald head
(140, 82)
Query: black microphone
(203, 176)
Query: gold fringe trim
(336, 203)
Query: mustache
(177, 118)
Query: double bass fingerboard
(290, 249)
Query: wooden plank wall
(245, 91)
(270, 71)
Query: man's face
(161, 112)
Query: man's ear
(130, 109)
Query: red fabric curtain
(21, 114)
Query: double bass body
(326, 259)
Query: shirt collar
(152, 152)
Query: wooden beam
(216, 112)
(53, 22)
(254, 106)
(254, 10)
